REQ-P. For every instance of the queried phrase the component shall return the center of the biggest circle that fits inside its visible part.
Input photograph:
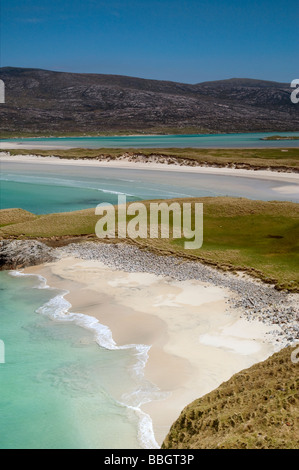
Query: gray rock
(22, 253)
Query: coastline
(196, 340)
(290, 177)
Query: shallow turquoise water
(48, 198)
(59, 388)
(45, 188)
(252, 139)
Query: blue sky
(188, 41)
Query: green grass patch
(53, 225)
(258, 237)
(15, 216)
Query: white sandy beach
(257, 174)
(196, 341)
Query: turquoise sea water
(45, 188)
(59, 388)
(43, 198)
(252, 139)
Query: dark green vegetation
(260, 238)
(256, 409)
(279, 137)
(275, 159)
(41, 102)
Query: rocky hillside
(256, 408)
(45, 102)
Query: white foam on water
(113, 192)
(145, 432)
(60, 182)
(43, 281)
(58, 308)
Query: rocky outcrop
(22, 253)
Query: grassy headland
(257, 237)
(256, 409)
(15, 216)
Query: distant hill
(46, 102)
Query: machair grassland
(257, 237)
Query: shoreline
(13, 146)
(141, 134)
(191, 351)
(123, 163)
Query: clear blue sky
(188, 41)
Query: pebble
(254, 299)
